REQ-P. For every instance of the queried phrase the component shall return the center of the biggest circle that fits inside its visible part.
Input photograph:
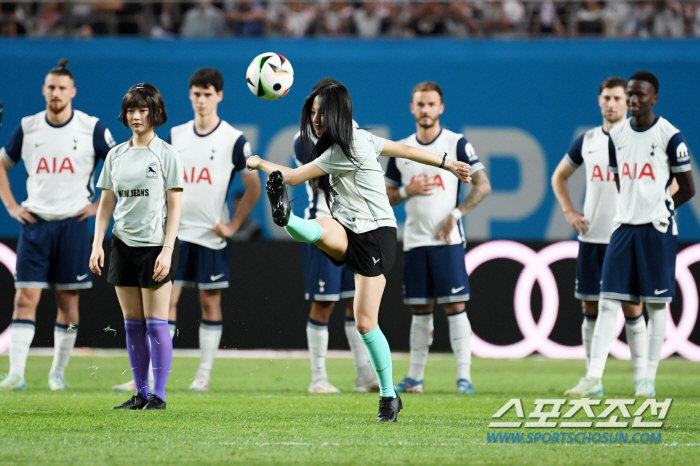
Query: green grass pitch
(258, 412)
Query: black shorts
(132, 266)
(370, 254)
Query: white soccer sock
(656, 330)
(603, 336)
(172, 326)
(421, 339)
(636, 331)
(317, 339)
(460, 339)
(21, 336)
(209, 340)
(587, 328)
(63, 342)
(363, 367)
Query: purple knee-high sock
(139, 354)
(161, 353)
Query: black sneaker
(279, 201)
(154, 402)
(135, 402)
(389, 408)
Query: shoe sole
(200, 390)
(21, 388)
(276, 191)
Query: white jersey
(140, 178)
(591, 150)
(645, 160)
(425, 215)
(60, 162)
(210, 162)
(360, 203)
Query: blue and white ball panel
(640, 265)
(54, 254)
(202, 267)
(323, 280)
(435, 274)
(589, 269)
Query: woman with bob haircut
(361, 236)
(144, 175)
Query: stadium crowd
(364, 19)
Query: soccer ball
(269, 76)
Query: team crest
(152, 170)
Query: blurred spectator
(12, 20)
(460, 20)
(164, 26)
(299, 20)
(50, 20)
(427, 19)
(668, 19)
(504, 18)
(691, 13)
(203, 20)
(335, 19)
(246, 19)
(546, 20)
(371, 19)
(589, 20)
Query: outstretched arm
(459, 169)
(292, 176)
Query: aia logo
(437, 179)
(196, 176)
(54, 167)
(598, 174)
(630, 171)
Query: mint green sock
(305, 231)
(380, 357)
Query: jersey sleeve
(575, 154)
(678, 154)
(392, 177)
(241, 152)
(174, 171)
(378, 143)
(467, 154)
(102, 140)
(105, 179)
(612, 156)
(12, 151)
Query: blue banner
(520, 103)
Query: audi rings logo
(536, 334)
(8, 258)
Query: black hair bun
(63, 63)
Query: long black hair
(335, 105)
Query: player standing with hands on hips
(145, 177)
(361, 236)
(60, 147)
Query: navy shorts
(54, 254)
(202, 267)
(640, 265)
(323, 280)
(589, 268)
(435, 274)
